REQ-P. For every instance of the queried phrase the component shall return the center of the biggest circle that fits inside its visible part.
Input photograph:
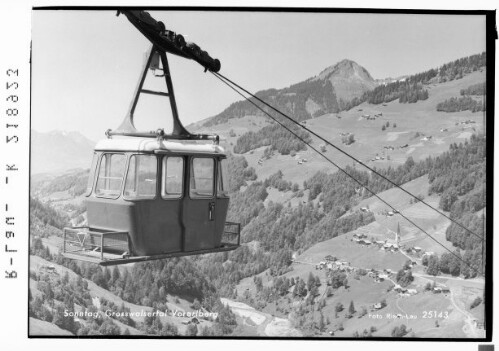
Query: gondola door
(199, 212)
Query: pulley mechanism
(169, 41)
(163, 41)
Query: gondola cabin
(150, 198)
(153, 195)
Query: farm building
(387, 246)
(400, 289)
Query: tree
(192, 330)
(258, 283)
(476, 302)
(65, 278)
(399, 332)
(363, 311)
(109, 328)
(116, 274)
(433, 265)
(317, 281)
(311, 281)
(169, 329)
(338, 307)
(351, 308)
(321, 324)
(338, 279)
(351, 139)
(196, 305)
(383, 303)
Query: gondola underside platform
(113, 259)
(108, 248)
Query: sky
(86, 64)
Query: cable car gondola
(153, 195)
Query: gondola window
(202, 171)
(91, 176)
(141, 177)
(112, 167)
(173, 176)
(223, 185)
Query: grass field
(38, 327)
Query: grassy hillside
(38, 327)
(176, 303)
(413, 122)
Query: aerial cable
(341, 169)
(220, 76)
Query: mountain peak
(345, 69)
(349, 79)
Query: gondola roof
(158, 146)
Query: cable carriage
(153, 195)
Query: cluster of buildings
(330, 263)
(442, 289)
(369, 117)
(382, 244)
(361, 239)
(469, 121)
(48, 269)
(379, 276)
(403, 292)
(377, 158)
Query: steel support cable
(227, 82)
(220, 76)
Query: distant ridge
(57, 151)
(328, 92)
